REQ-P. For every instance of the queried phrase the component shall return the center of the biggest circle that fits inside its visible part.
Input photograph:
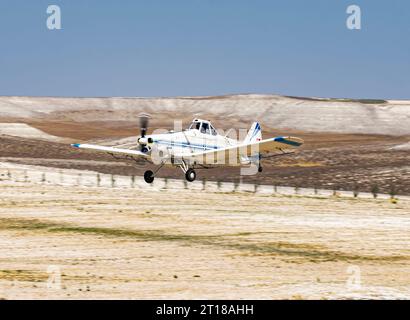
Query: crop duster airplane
(199, 147)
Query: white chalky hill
(307, 114)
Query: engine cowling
(144, 141)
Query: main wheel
(149, 176)
(260, 169)
(190, 175)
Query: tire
(260, 169)
(190, 175)
(148, 176)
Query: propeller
(144, 120)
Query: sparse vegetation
(375, 190)
(356, 190)
(297, 189)
(336, 189)
(393, 191)
(23, 275)
(364, 101)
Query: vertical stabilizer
(254, 133)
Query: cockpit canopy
(203, 126)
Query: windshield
(195, 125)
(203, 127)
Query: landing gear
(260, 169)
(149, 176)
(190, 175)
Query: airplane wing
(234, 154)
(110, 150)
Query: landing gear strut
(190, 174)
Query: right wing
(234, 154)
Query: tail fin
(254, 133)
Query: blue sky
(205, 47)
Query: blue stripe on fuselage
(186, 145)
(210, 147)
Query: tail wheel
(190, 175)
(260, 169)
(149, 176)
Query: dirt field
(117, 243)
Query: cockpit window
(195, 125)
(213, 131)
(205, 128)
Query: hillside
(349, 144)
(273, 111)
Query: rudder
(254, 133)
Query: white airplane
(200, 146)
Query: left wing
(111, 150)
(234, 154)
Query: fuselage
(190, 141)
(174, 147)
